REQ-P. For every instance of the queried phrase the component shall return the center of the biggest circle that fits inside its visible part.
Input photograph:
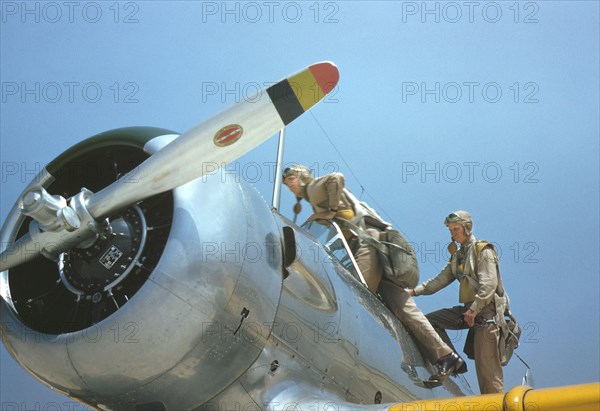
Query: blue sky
(491, 107)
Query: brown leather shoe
(447, 365)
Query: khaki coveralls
(482, 270)
(326, 193)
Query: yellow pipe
(585, 397)
(488, 402)
(513, 399)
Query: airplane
(135, 276)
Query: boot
(447, 365)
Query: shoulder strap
(362, 235)
(480, 245)
(500, 292)
(358, 212)
(365, 215)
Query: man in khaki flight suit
(328, 199)
(478, 275)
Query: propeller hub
(103, 265)
(51, 212)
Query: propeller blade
(219, 140)
(200, 150)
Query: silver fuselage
(217, 326)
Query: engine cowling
(171, 303)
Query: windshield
(331, 237)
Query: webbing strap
(363, 236)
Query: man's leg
(487, 355)
(447, 319)
(399, 301)
(439, 353)
(367, 259)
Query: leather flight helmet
(299, 170)
(463, 218)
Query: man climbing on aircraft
(329, 200)
(475, 265)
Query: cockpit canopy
(335, 242)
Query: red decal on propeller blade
(228, 135)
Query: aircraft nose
(199, 321)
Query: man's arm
(324, 193)
(487, 277)
(334, 184)
(435, 284)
